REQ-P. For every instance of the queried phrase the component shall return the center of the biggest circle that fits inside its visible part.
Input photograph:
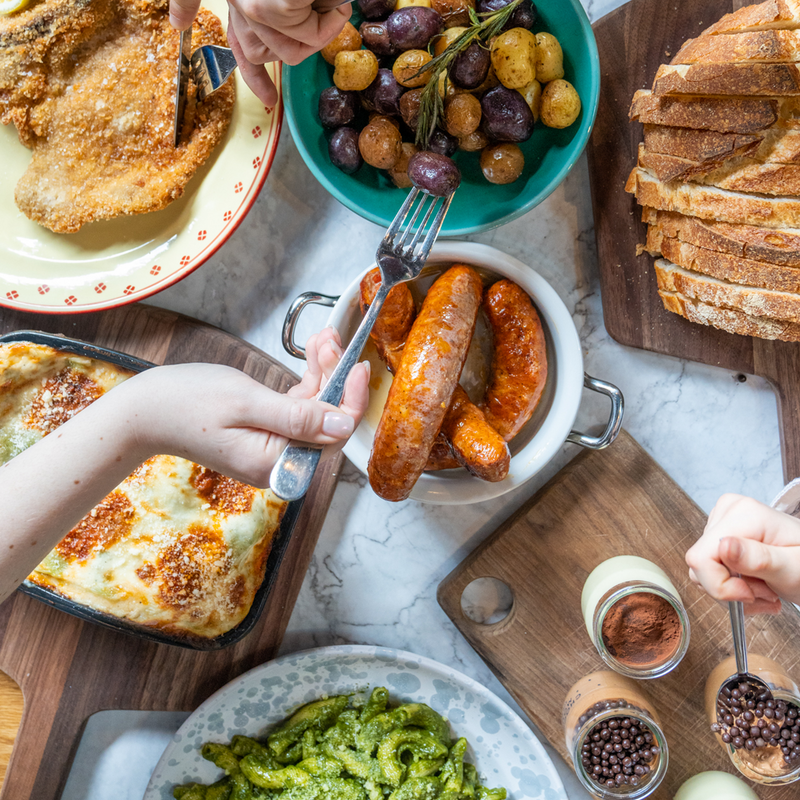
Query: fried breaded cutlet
(94, 98)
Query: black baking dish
(280, 540)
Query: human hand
(223, 419)
(262, 31)
(747, 538)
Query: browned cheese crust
(98, 109)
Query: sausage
(519, 363)
(476, 446)
(424, 383)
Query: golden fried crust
(101, 131)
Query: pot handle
(614, 421)
(293, 314)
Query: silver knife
(184, 74)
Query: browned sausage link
(394, 322)
(477, 446)
(441, 456)
(423, 386)
(519, 364)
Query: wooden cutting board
(604, 504)
(633, 41)
(69, 669)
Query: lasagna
(175, 546)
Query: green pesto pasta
(336, 748)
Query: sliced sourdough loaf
(673, 168)
(725, 114)
(723, 265)
(729, 319)
(710, 202)
(752, 300)
(697, 145)
(772, 15)
(766, 46)
(774, 246)
(742, 78)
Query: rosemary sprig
(482, 28)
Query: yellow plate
(119, 261)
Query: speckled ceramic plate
(502, 746)
(119, 261)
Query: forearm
(48, 489)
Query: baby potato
(549, 58)
(406, 3)
(380, 143)
(473, 142)
(354, 70)
(409, 107)
(348, 39)
(533, 97)
(399, 172)
(502, 163)
(514, 57)
(444, 40)
(406, 67)
(462, 114)
(453, 12)
(560, 104)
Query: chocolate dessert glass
(614, 737)
(760, 752)
(635, 617)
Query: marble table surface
(298, 238)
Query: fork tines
(410, 236)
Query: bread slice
(722, 265)
(771, 15)
(672, 168)
(766, 46)
(774, 246)
(725, 114)
(739, 78)
(756, 302)
(729, 319)
(710, 202)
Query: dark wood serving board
(69, 669)
(633, 41)
(603, 504)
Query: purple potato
(376, 9)
(412, 27)
(376, 38)
(442, 143)
(343, 150)
(506, 115)
(434, 173)
(525, 15)
(470, 69)
(383, 94)
(337, 107)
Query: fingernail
(734, 547)
(335, 347)
(368, 368)
(338, 425)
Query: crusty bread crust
(722, 265)
(744, 78)
(695, 145)
(724, 114)
(672, 168)
(773, 14)
(767, 46)
(729, 319)
(752, 300)
(774, 246)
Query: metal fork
(400, 257)
(211, 67)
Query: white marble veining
(375, 572)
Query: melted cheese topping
(175, 546)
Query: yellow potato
(462, 115)
(514, 57)
(399, 172)
(406, 67)
(549, 58)
(348, 39)
(354, 70)
(560, 104)
(473, 142)
(533, 97)
(405, 3)
(444, 40)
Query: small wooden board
(69, 669)
(633, 41)
(604, 504)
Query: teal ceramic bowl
(478, 205)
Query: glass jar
(715, 786)
(635, 618)
(599, 708)
(764, 765)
